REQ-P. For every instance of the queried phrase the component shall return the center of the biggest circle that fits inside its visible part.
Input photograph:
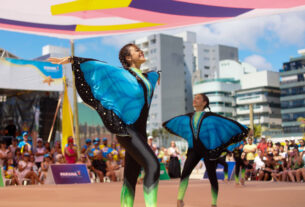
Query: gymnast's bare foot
(213, 205)
(225, 180)
(180, 203)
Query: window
(207, 67)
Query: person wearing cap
(262, 146)
(47, 161)
(25, 137)
(39, 152)
(87, 147)
(96, 147)
(106, 149)
(25, 170)
(70, 151)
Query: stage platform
(254, 194)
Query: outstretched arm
(61, 61)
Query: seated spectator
(33, 164)
(47, 161)
(84, 160)
(9, 171)
(296, 164)
(99, 165)
(280, 170)
(259, 164)
(70, 152)
(25, 170)
(113, 169)
(60, 159)
(39, 151)
(3, 153)
(265, 174)
(18, 156)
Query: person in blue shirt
(25, 141)
(87, 147)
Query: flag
(67, 119)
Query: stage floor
(254, 194)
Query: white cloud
(259, 62)
(288, 28)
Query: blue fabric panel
(216, 131)
(116, 89)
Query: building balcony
(251, 99)
(259, 109)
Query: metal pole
(76, 125)
(251, 117)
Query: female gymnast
(208, 136)
(122, 97)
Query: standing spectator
(269, 147)
(39, 152)
(96, 147)
(262, 146)
(70, 151)
(47, 147)
(292, 145)
(87, 147)
(174, 169)
(56, 150)
(150, 141)
(301, 146)
(3, 153)
(286, 145)
(105, 148)
(283, 153)
(12, 148)
(250, 150)
(99, 165)
(11, 128)
(25, 142)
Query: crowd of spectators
(23, 163)
(280, 162)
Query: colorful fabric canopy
(87, 18)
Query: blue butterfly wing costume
(216, 133)
(115, 93)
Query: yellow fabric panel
(67, 119)
(86, 5)
(97, 28)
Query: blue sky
(266, 42)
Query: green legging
(192, 160)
